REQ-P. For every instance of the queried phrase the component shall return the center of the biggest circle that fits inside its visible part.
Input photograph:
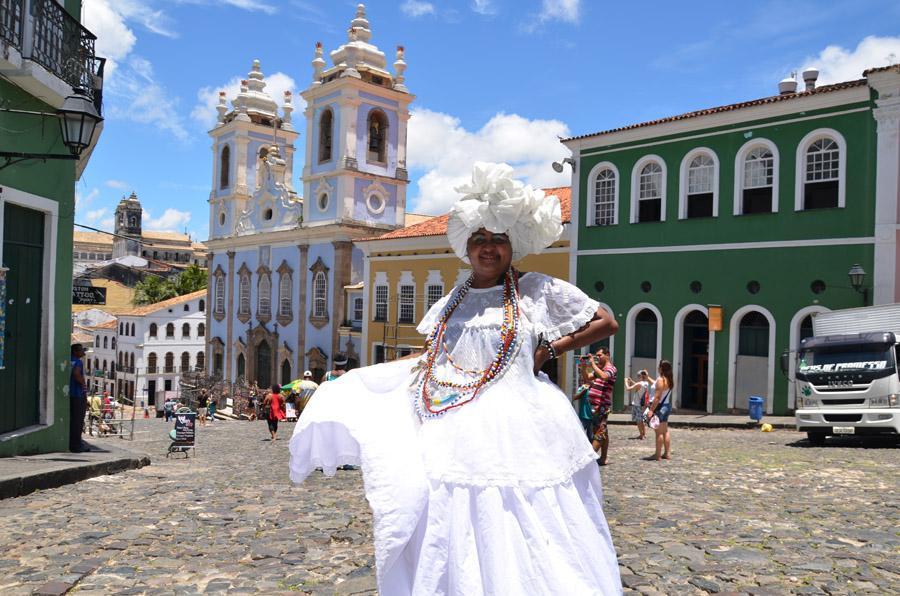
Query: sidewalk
(21, 475)
(704, 420)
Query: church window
(377, 136)
(284, 295)
(224, 167)
(326, 125)
(220, 295)
(320, 295)
(267, 214)
(376, 203)
(222, 218)
(322, 203)
(264, 305)
(244, 295)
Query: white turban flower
(501, 204)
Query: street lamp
(857, 277)
(558, 165)
(78, 118)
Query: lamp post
(78, 118)
(857, 277)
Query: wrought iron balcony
(42, 31)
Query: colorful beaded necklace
(434, 396)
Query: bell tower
(241, 139)
(127, 227)
(356, 117)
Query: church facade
(278, 263)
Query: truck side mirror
(785, 362)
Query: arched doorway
(645, 352)
(241, 366)
(264, 364)
(751, 375)
(286, 372)
(801, 328)
(692, 378)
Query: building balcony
(48, 52)
(152, 370)
(125, 369)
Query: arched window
(284, 295)
(170, 331)
(151, 362)
(220, 295)
(286, 372)
(648, 190)
(187, 307)
(606, 192)
(170, 362)
(112, 344)
(224, 167)
(756, 178)
(121, 329)
(201, 330)
(153, 330)
(186, 331)
(131, 360)
(264, 290)
(241, 366)
(132, 330)
(753, 335)
(698, 183)
(185, 362)
(105, 342)
(320, 295)
(202, 305)
(645, 326)
(376, 125)
(201, 360)
(105, 365)
(821, 159)
(244, 296)
(326, 133)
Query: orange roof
(437, 226)
(164, 235)
(731, 107)
(94, 237)
(410, 219)
(882, 69)
(149, 308)
(111, 324)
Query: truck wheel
(816, 438)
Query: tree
(154, 289)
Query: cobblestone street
(734, 511)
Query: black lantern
(77, 120)
(857, 277)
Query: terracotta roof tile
(437, 226)
(882, 69)
(111, 324)
(160, 235)
(730, 107)
(149, 308)
(95, 237)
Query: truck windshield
(872, 357)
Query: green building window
(701, 174)
(650, 193)
(759, 177)
(820, 190)
(605, 198)
(753, 335)
(645, 329)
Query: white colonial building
(280, 266)
(100, 361)
(155, 344)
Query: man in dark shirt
(77, 401)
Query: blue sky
(496, 80)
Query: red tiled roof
(732, 107)
(882, 69)
(437, 226)
(149, 308)
(111, 324)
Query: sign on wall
(88, 295)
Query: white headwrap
(501, 204)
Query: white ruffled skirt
(438, 536)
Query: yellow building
(408, 270)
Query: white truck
(846, 375)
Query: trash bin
(756, 407)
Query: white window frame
(432, 299)
(357, 308)
(320, 303)
(285, 297)
(739, 161)
(683, 181)
(592, 193)
(408, 302)
(800, 176)
(636, 186)
(244, 306)
(387, 301)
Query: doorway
(264, 364)
(151, 393)
(694, 361)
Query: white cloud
(117, 184)
(250, 5)
(837, 64)
(566, 11)
(95, 215)
(139, 98)
(172, 220)
(115, 39)
(83, 201)
(205, 113)
(484, 7)
(416, 8)
(441, 147)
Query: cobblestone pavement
(733, 511)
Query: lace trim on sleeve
(579, 320)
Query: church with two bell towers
(282, 265)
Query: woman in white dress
(478, 472)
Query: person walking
(307, 389)
(661, 406)
(479, 476)
(77, 401)
(600, 395)
(169, 408)
(340, 364)
(202, 406)
(274, 405)
(253, 402)
(640, 391)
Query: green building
(760, 208)
(50, 88)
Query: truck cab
(847, 384)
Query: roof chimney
(787, 85)
(809, 77)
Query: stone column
(302, 276)
(887, 190)
(340, 275)
(229, 317)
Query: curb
(749, 425)
(23, 485)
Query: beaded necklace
(435, 396)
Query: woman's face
(489, 253)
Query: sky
(494, 80)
